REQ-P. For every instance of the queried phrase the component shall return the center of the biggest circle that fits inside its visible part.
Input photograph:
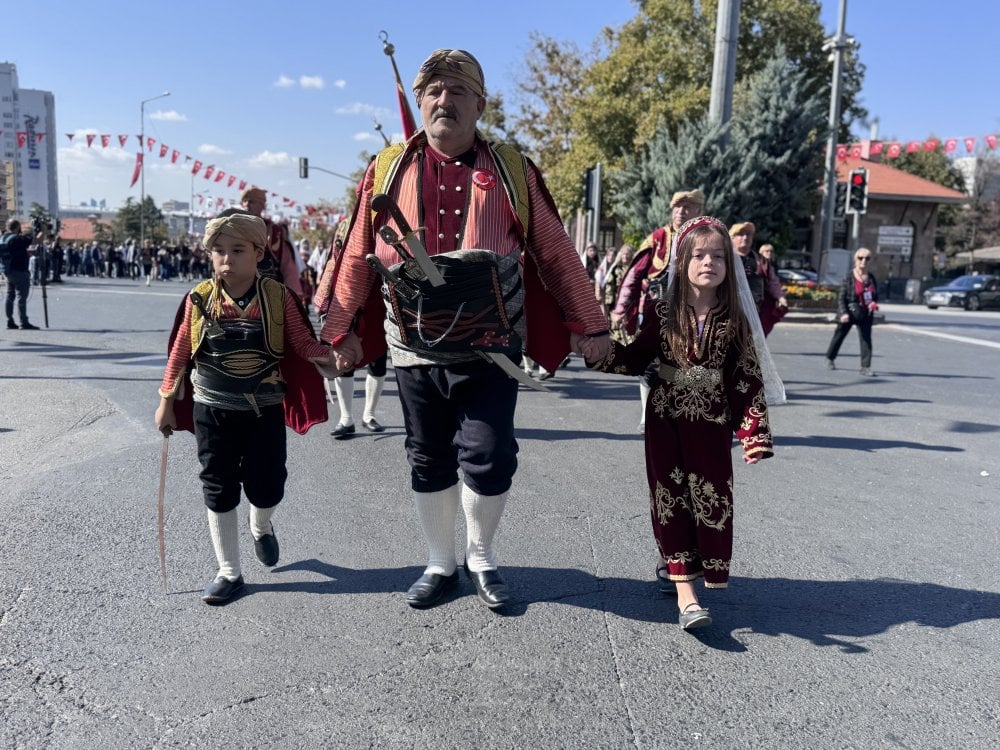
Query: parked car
(971, 292)
(798, 276)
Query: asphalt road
(862, 610)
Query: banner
(138, 168)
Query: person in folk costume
(465, 194)
(648, 271)
(704, 338)
(279, 261)
(773, 308)
(762, 276)
(251, 345)
(343, 384)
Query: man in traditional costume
(650, 266)
(279, 255)
(251, 344)
(765, 285)
(456, 345)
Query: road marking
(940, 335)
(120, 291)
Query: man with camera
(15, 250)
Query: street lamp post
(142, 169)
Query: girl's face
(707, 268)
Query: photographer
(15, 251)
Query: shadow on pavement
(866, 445)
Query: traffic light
(588, 189)
(857, 196)
(303, 167)
(840, 201)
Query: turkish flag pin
(484, 179)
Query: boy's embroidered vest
(481, 303)
(237, 355)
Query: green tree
(126, 224)
(956, 225)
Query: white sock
(345, 396)
(482, 518)
(643, 397)
(226, 540)
(373, 390)
(437, 511)
(260, 521)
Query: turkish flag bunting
(231, 180)
(991, 141)
(150, 140)
(291, 204)
(912, 146)
(68, 135)
(39, 137)
(876, 148)
(201, 199)
(105, 140)
(243, 184)
(856, 151)
(196, 168)
(208, 170)
(138, 168)
(970, 143)
(163, 150)
(122, 139)
(950, 145)
(90, 138)
(173, 156)
(310, 210)
(931, 144)
(841, 152)
(219, 176)
(894, 149)
(139, 137)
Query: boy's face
(707, 268)
(235, 260)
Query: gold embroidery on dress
(706, 505)
(677, 475)
(743, 386)
(663, 503)
(659, 400)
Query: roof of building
(77, 230)
(889, 183)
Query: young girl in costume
(708, 386)
(249, 341)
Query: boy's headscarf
(454, 63)
(244, 226)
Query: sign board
(895, 240)
(836, 266)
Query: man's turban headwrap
(742, 227)
(253, 192)
(454, 63)
(246, 227)
(692, 196)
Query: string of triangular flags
(895, 149)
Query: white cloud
(366, 136)
(210, 149)
(284, 82)
(168, 116)
(340, 83)
(359, 108)
(311, 82)
(271, 159)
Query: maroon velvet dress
(691, 415)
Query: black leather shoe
(343, 431)
(221, 590)
(28, 327)
(429, 589)
(11, 325)
(267, 548)
(490, 587)
(372, 426)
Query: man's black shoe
(372, 426)
(267, 548)
(221, 590)
(11, 325)
(343, 431)
(490, 587)
(429, 589)
(26, 326)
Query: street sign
(895, 240)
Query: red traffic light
(857, 179)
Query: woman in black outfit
(856, 305)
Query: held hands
(348, 353)
(165, 420)
(593, 348)
(325, 364)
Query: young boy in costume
(250, 344)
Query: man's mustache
(440, 112)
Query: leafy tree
(493, 123)
(126, 224)
(953, 228)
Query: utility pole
(727, 33)
(838, 44)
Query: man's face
(682, 211)
(449, 110)
(743, 242)
(255, 204)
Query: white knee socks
(373, 389)
(345, 396)
(226, 541)
(260, 521)
(482, 517)
(437, 511)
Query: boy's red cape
(305, 396)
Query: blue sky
(254, 89)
